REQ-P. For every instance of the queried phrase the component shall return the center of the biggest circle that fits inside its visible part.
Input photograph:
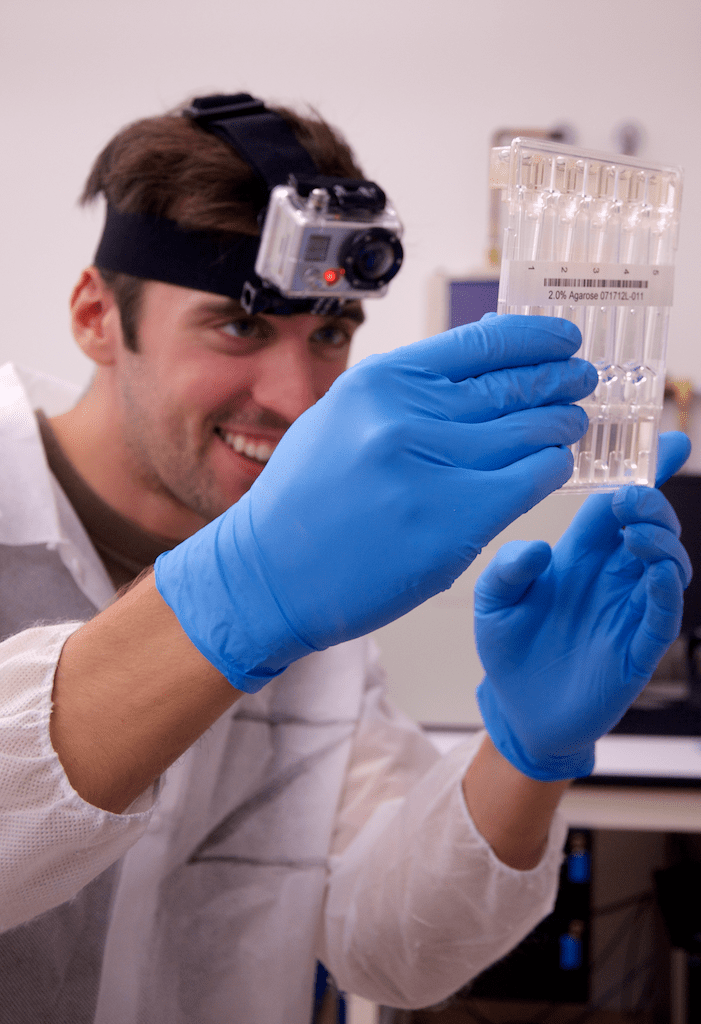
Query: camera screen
(317, 248)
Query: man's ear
(95, 318)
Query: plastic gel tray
(591, 237)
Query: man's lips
(257, 451)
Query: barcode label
(590, 282)
(547, 284)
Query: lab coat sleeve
(52, 843)
(417, 902)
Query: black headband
(158, 249)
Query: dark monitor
(470, 300)
(684, 495)
(670, 705)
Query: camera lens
(374, 260)
(371, 258)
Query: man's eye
(331, 337)
(243, 327)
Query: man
(300, 817)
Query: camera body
(329, 237)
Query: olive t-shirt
(125, 549)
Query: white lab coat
(312, 821)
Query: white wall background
(418, 88)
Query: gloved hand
(569, 637)
(382, 493)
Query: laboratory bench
(642, 800)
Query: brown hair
(168, 166)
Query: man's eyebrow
(231, 307)
(225, 305)
(353, 311)
(219, 306)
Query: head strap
(158, 249)
(262, 137)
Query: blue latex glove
(569, 637)
(382, 493)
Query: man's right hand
(381, 494)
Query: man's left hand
(569, 637)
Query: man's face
(212, 390)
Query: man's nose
(285, 379)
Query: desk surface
(633, 808)
(636, 803)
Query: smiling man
(191, 392)
(203, 789)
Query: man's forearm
(131, 694)
(512, 811)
